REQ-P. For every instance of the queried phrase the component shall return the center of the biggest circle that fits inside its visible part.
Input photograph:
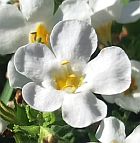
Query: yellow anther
(70, 80)
(41, 35)
(65, 62)
(72, 76)
(32, 37)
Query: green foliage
(56, 5)
(6, 93)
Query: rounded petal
(98, 5)
(110, 72)
(73, 39)
(13, 29)
(131, 101)
(110, 98)
(100, 18)
(106, 12)
(82, 109)
(16, 79)
(130, 12)
(39, 10)
(134, 137)
(42, 99)
(76, 9)
(34, 61)
(111, 130)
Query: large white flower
(130, 99)
(112, 130)
(65, 79)
(23, 27)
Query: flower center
(132, 88)
(68, 80)
(40, 35)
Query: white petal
(42, 99)
(129, 102)
(82, 109)
(130, 12)
(13, 29)
(111, 129)
(110, 72)
(76, 9)
(134, 137)
(106, 12)
(16, 79)
(3, 125)
(4, 1)
(100, 18)
(98, 5)
(39, 10)
(110, 98)
(73, 40)
(34, 61)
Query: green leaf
(56, 5)
(29, 130)
(49, 119)
(21, 115)
(7, 113)
(6, 93)
(125, 2)
(31, 113)
(21, 138)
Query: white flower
(33, 11)
(112, 130)
(16, 26)
(65, 79)
(130, 99)
(108, 10)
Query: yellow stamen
(41, 35)
(64, 62)
(70, 80)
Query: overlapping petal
(131, 101)
(111, 130)
(16, 79)
(73, 40)
(76, 9)
(109, 73)
(134, 136)
(82, 109)
(13, 29)
(42, 99)
(129, 12)
(35, 61)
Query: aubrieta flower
(33, 24)
(64, 78)
(112, 130)
(130, 99)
